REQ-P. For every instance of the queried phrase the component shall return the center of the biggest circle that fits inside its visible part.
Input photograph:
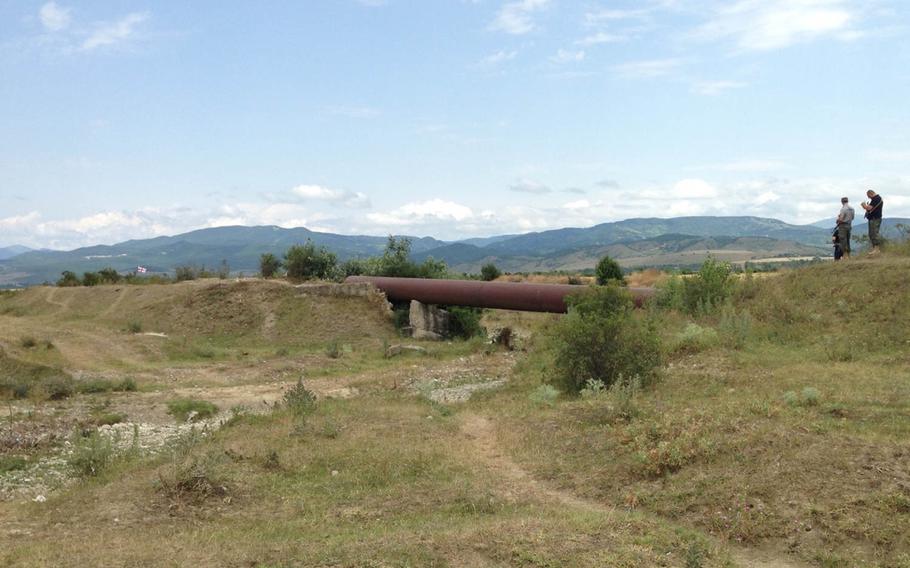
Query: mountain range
(682, 241)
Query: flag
(141, 269)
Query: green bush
(671, 294)
(300, 400)
(68, 279)
(191, 409)
(95, 386)
(307, 261)
(608, 270)
(333, 350)
(464, 323)
(709, 288)
(601, 339)
(695, 338)
(734, 328)
(269, 265)
(109, 276)
(489, 272)
(544, 395)
(91, 279)
(134, 327)
(185, 272)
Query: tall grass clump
(734, 327)
(600, 339)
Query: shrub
(608, 269)
(189, 409)
(601, 339)
(395, 261)
(108, 418)
(671, 294)
(544, 395)
(464, 322)
(305, 262)
(109, 276)
(489, 272)
(68, 279)
(28, 342)
(95, 386)
(185, 272)
(193, 478)
(300, 400)
(134, 327)
(807, 397)
(354, 267)
(269, 265)
(710, 287)
(91, 279)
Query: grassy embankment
(780, 442)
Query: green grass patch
(185, 409)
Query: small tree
(710, 287)
(109, 275)
(608, 269)
(304, 262)
(601, 340)
(91, 279)
(68, 278)
(489, 272)
(269, 265)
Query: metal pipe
(521, 296)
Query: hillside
(664, 251)
(12, 251)
(776, 437)
(240, 247)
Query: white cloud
(499, 57)
(53, 17)
(648, 69)
(334, 196)
(423, 213)
(693, 189)
(712, 88)
(528, 186)
(353, 111)
(761, 25)
(517, 18)
(600, 38)
(114, 32)
(566, 56)
(580, 204)
(599, 17)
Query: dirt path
(50, 299)
(481, 434)
(115, 304)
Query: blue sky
(123, 119)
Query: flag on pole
(141, 269)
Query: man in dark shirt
(874, 215)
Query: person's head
(844, 200)
(870, 194)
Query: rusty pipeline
(521, 296)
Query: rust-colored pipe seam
(522, 296)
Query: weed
(108, 419)
(734, 328)
(809, 396)
(282, 352)
(193, 478)
(696, 555)
(12, 463)
(300, 401)
(28, 342)
(464, 323)
(544, 395)
(91, 455)
(837, 348)
(333, 350)
(204, 351)
(134, 327)
(191, 410)
(695, 338)
(99, 385)
(128, 385)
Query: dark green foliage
(191, 409)
(300, 400)
(307, 261)
(601, 339)
(68, 279)
(95, 386)
(109, 276)
(91, 279)
(401, 317)
(395, 261)
(354, 267)
(489, 272)
(464, 322)
(134, 327)
(28, 342)
(608, 269)
(269, 265)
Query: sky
(126, 119)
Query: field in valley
(774, 439)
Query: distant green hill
(240, 247)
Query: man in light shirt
(845, 225)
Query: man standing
(874, 214)
(845, 225)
